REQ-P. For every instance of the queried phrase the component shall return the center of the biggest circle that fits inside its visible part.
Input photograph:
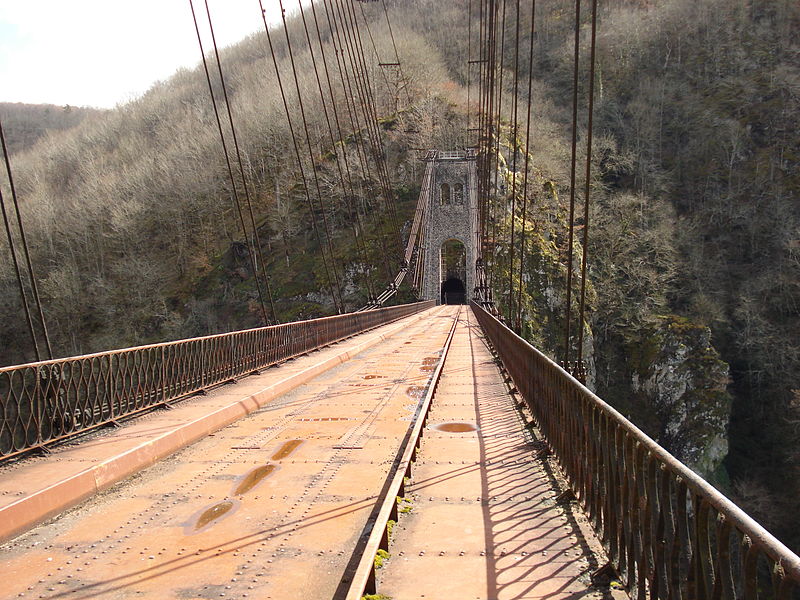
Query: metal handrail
(47, 401)
(667, 531)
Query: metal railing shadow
(667, 531)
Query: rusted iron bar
(47, 401)
(364, 581)
(667, 531)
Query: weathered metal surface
(483, 520)
(363, 580)
(47, 401)
(268, 507)
(667, 531)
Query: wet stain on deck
(212, 515)
(286, 449)
(455, 427)
(252, 478)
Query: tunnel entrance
(453, 291)
(453, 272)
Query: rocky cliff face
(677, 372)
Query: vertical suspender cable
(228, 163)
(373, 121)
(314, 176)
(518, 325)
(347, 184)
(396, 54)
(352, 110)
(23, 238)
(24, 297)
(514, 150)
(299, 160)
(568, 308)
(586, 191)
(256, 239)
(469, 62)
(499, 129)
(375, 48)
(348, 53)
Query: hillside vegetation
(26, 124)
(695, 224)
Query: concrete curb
(25, 513)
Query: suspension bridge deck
(279, 503)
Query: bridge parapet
(667, 531)
(47, 401)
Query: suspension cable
(498, 136)
(525, 179)
(359, 67)
(396, 54)
(314, 175)
(469, 62)
(26, 252)
(568, 309)
(355, 219)
(23, 295)
(352, 110)
(369, 98)
(248, 203)
(299, 160)
(587, 190)
(349, 53)
(375, 48)
(514, 151)
(228, 163)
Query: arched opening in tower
(453, 256)
(453, 291)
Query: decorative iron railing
(47, 401)
(667, 532)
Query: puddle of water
(253, 478)
(212, 514)
(455, 427)
(286, 449)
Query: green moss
(389, 528)
(404, 505)
(381, 556)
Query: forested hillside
(694, 254)
(25, 124)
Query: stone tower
(450, 227)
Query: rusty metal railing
(47, 401)
(667, 532)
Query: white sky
(104, 52)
